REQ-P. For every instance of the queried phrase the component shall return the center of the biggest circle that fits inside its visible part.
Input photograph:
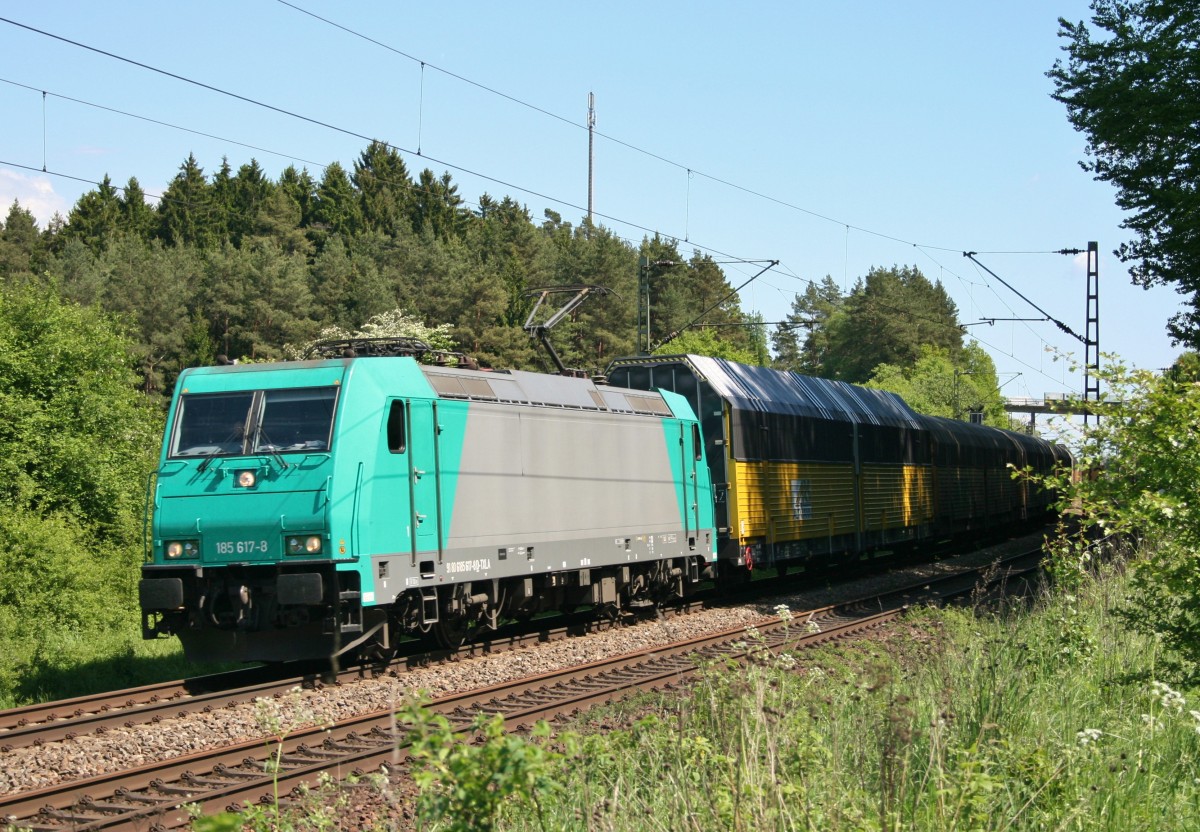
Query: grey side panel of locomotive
(547, 490)
(556, 474)
(566, 482)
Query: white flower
(785, 614)
(1088, 736)
(1171, 700)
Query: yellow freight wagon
(802, 467)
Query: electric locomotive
(313, 508)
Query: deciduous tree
(1130, 86)
(1141, 473)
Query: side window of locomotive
(697, 448)
(396, 437)
(296, 420)
(211, 424)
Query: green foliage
(77, 442)
(186, 214)
(812, 312)
(336, 207)
(936, 386)
(257, 298)
(59, 586)
(384, 188)
(963, 719)
(75, 437)
(1129, 86)
(707, 342)
(239, 265)
(1185, 368)
(1141, 473)
(436, 206)
(688, 294)
(136, 216)
(465, 786)
(21, 246)
(153, 287)
(95, 218)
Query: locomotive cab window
(396, 434)
(295, 420)
(211, 424)
(697, 448)
(264, 421)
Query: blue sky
(833, 137)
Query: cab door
(408, 498)
(425, 479)
(693, 457)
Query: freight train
(318, 508)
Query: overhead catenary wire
(925, 248)
(690, 171)
(355, 134)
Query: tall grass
(63, 663)
(1053, 717)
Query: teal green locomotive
(313, 508)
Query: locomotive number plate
(480, 565)
(241, 547)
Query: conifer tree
(887, 318)
(336, 207)
(136, 216)
(384, 188)
(186, 211)
(22, 251)
(95, 218)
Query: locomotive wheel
(452, 633)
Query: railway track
(36, 725)
(227, 777)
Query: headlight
(176, 549)
(246, 479)
(310, 545)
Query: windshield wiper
(270, 448)
(235, 435)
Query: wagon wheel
(608, 617)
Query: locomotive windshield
(263, 421)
